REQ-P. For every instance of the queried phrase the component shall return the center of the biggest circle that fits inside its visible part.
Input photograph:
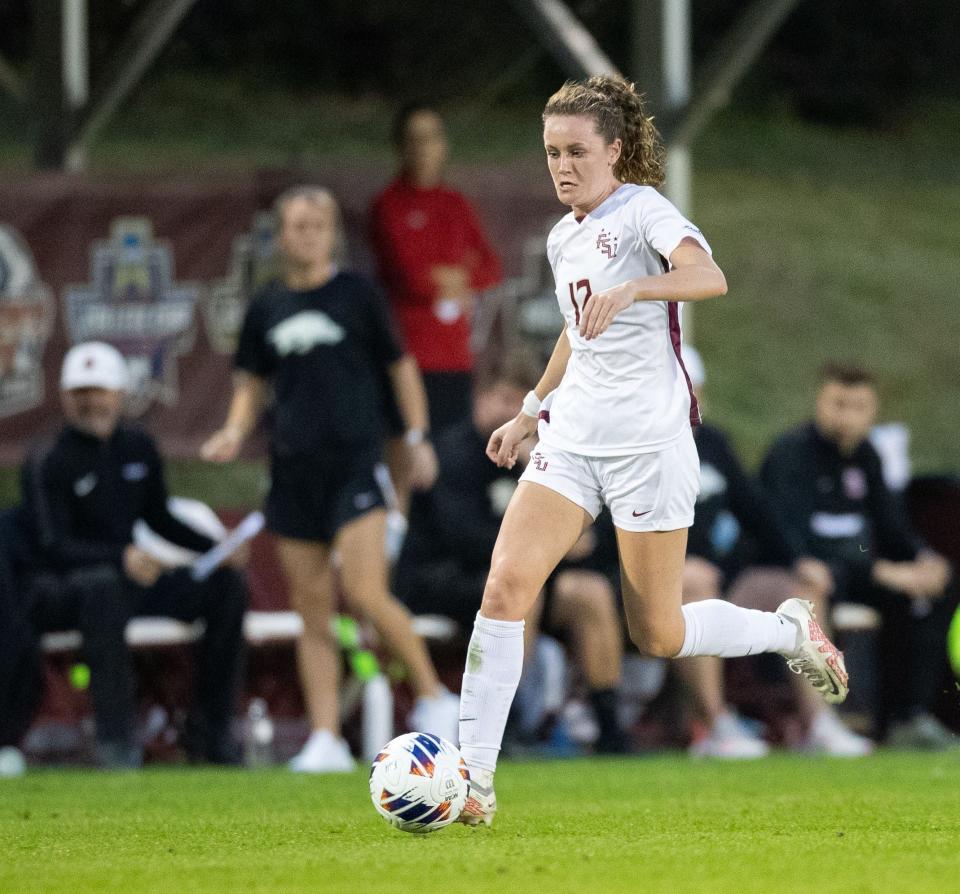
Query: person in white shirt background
(615, 409)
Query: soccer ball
(419, 782)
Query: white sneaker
(829, 735)
(439, 714)
(818, 659)
(923, 732)
(730, 739)
(323, 752)
(12, 763)
(481, 802)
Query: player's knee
(368, 599)
(312, 603)
(504, 596)
(657, 640)
(701, 579)
(660, 647)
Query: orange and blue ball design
(419, 782)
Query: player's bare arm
(694, 276)
(246, 406)
(411, 398)
(505, 442)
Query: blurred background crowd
(139, 173)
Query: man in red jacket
(433, 258)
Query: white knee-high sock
(715, 627)
(494, 665)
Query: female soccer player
(320, 344)
(616, 412)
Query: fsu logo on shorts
(26, 320)
(254, 262)
(133, 303)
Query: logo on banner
(253, 263)
(133, 302)
(26, 320)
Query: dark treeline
(853, 61)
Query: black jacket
(459, 519)
(834, 507)
(82, 495)
(732, 503)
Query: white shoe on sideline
(923, 732)
(481, 802)
(829, 735)
(730, 739)
(12, 763)
(818, 659)
(323, 752)
(438, 714)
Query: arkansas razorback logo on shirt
(303, 332)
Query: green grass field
(665, 824)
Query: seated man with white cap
(82, 493)
(737, 545)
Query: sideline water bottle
(258, 735)
(377, 715)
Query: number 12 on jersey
(581, 289)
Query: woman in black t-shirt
(318, 348)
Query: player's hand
(451, 280)
(222, 446)
(524, 449)
(454, 296)
(140, 566)
(504, 443)
(424, 466)
(599, 311)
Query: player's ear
(614, 151)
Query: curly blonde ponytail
(618, 110)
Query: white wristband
(414, 436)
(531, 405)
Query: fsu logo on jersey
(134, 303)
(607, 244)
(26, 319)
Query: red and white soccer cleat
(481, 802)
(818, 659)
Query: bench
(270, 630)
(259, 628)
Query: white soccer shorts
(645, 491)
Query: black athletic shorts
(312, 496)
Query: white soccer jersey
(625, 391)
